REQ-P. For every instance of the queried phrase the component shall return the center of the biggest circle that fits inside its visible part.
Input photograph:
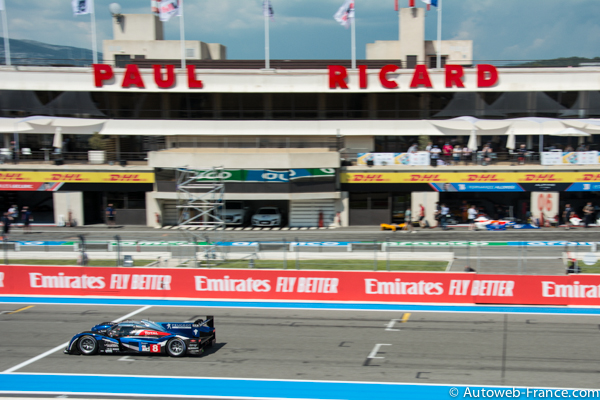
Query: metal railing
(68, 157)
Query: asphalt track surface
(311, 345)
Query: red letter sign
(337, 76)
(193, 83)
(164, 83)
(487, 75)
(102, 72)
(454, 74)
(385, 82)
(132, 77)
(421, 77)
(362, 76)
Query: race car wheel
(213, 341)
(176, 347)
(87, 345)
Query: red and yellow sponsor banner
(467, 177)
(356, 286)
(76, 177)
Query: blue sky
(305, 29)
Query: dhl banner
(465, 177)
(355, 286)
(26, 177)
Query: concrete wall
(138, 27)
(250, 160)
(342, 206)
(428, 199)
(156, 49)
(366, 143)
(412, 33)
(217, 51)
(458, 51)
(384, 50)
(152, 208)
(65, 202)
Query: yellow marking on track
(405, 317)
(19, 310)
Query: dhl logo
(591, 177)
(124, 178)
(540, 178)
(483, 178)
(425, 178)
(67, 177)
(368, 178)
(11, 177)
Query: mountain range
(31, 52)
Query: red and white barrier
(358, 286)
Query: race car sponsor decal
(179, 326)
(152, 333)
(149, 347)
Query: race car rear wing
(209, 321)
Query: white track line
(62, 346)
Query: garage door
(305, 213)
(169, 212)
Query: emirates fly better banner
(356, 286)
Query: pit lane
(426, 348)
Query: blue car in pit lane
(175, 339)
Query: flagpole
(182, 33)
(94, 44)
(267, 55)
(439, 36)
(353, 44)
(6, 40)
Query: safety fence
(362, 286)
(510, 257)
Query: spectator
(464, 211)
(486, 154)
(422, 222)
(6, 221)
(26, 218)
(413, 149)
(588, 213)
(444, 213)
(110, 216)
(429, 146)
(568, 149)
(472, 214)
(447, 152)
(13, 212)
(466, 153)
(435, 155)
(522, 154)
(408, 220)
(567, 216)
(581, 147)
(456, 153)
(437, 215)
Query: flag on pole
(1, 5)
(81, 7)
(154, 6)
(169, 8)
(430, 3)
(411, 3)
(268, 9)
(345, 13)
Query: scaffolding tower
(200, 205)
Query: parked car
(234, 213)
(267, 216)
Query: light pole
(118, 239)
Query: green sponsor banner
(263, 175)
(446, 244)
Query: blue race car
(175, 339)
